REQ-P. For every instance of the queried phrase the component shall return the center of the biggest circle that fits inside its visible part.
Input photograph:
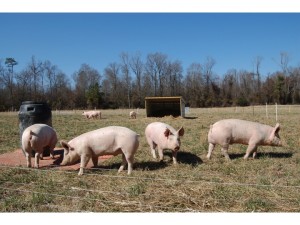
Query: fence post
(276, 111)
(267, 111)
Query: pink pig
(37, 137)
(132, 115)
(230, 131)
(163, 136)
(111, 140)
(92, 114)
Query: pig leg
(161, 154)
(251, 148)
(84, 159)
(224, 150)
(174, 155)
(28, 158)
(95, 160)
(37, 159)
(152, 147)
(210, 149)
(126, 159)
(130, 164)
(123, 164)
(254, 153)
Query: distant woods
(126, 82)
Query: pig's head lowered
(70, 156)
(274, 137)
(173, 139)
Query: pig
(37, 137)
(86, 114)
(253, 134)
(92, 114)
(132, 115)
(112, 140)
(163, 136)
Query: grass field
(270, 183)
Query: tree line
(126, 82)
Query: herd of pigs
(114, 140)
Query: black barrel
(32, 112)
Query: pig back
(39, 136)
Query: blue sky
(68, 40)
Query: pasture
(270, 183)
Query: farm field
(269, 183)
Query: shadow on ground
(185, 158)
(263, 155)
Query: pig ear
(180, 131)
(277, 128)
(66, 146)
(167, 132)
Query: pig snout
(177, 148)
(277, 142)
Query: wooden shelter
(164, 106)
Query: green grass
(269, 183)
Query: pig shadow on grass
(274, 155)
(150, 165)
(185, 158)
(263, 155)
(190, 117)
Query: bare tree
(173, 78)
(137, 67)
(230, 86)
(50, 74)
(284, 61)
(194, 85)
(125, 66)
(87, 77)
(208, 77)
(9, 77)
(112, 76)
(156, 68)
(35, 69)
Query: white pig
(92, 114)
(163, 136)
(230, 131)
(132, 115)
(112, 140)
(37, 137)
